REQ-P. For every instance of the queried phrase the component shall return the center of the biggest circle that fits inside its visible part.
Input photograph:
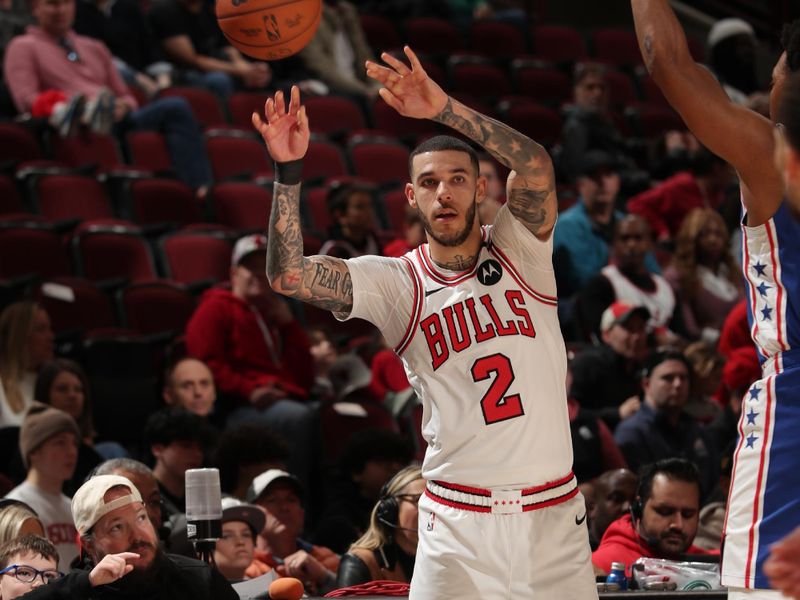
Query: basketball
(269, 29)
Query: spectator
(178, 440)
(122, 26)
(662, 429)
(258, 352)
(704, 274)
(63, 384)
(245, 451)
(666, 205)
(732, 57)
(52, 57)
(141, 476)
(353, 231)
(25, 564)
(189, 384)
(279, 544)
(413, 234)
(704, 380)
(337, 52)
(234, 551)
(663, 518)
(189, 36)
(711, 520)
(121, 548)
(26, 342)
(605, 378)
(387, 549)
(589, 126)
(628, 279)
(614, 492)
(48, 443)
(18, 519)
(487, 209)
(370, 459)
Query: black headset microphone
(637, 509)
(388, 511)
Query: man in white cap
(122, 555)
(257, 351)
(731, 54)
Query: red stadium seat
(148, 150)
(380, 32)
(497, 39)
(616, 46)
(156, 201)
(86, 149)
(431, 35)
(542, 84)
(651, 121)
(156, 307)
(205, 105)
(557, 43)
(234, 154)
(63, 197)
(18, 144)
(537, 122)
(242, 105)
(10, 200)
(333, 115)
(379, 160)
(193, 256)
(35, 248)
(478, 77)
(389, 120)
(395, 203)
(243, 206)
(112, 251)
(323, 160)
(622, 91)
(317, 209)
(74, 303)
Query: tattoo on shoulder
(528, 205)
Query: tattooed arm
(319, 280)
(738, 135)
(531, 187)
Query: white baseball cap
(247, 245)
(725, 28)
(234, 509)
(89, 505)
(267, 478)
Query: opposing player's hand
(411, 92)
(111, 568)
(783, 565)
(285, 130)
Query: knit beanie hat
(41, 423)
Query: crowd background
(132, 283)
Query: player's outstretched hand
(782, 566)
(111, 568)
(285, 131)
(410, 91)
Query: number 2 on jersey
(496, 406)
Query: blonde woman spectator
(26, 342)
(18, 519)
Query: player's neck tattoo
(457, 263)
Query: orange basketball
(269, 29)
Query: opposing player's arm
(412, 93)
(739, 135)
(323, 281)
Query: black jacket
(176, 577)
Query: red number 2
(496, 406)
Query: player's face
(670, 515)
(668, 385)
(54, 16)
(192, 387)
(445, 190)
(779, 74)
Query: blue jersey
(764, 502)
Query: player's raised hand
(111, 568)
(285, 130)
(410, 91)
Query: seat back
(189, 257)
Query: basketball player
(764, 501)
(472, 313)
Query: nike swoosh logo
(429, 292)
(581, 520)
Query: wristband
(289, 173)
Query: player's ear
(410, 196)
(480, 188)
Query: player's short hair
(28, 543)
(790, 40)
(789, 111)
(440, 143)
(674, 469)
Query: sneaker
(66, 116)
(99, 113)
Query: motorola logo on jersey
(489, 272)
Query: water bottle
(617, 576)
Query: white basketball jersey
(660, 302)
(484, 352)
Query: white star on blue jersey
(759, 268)
(751, 439)
(762, 289)
(751, 417)
(766, 314)
(754, 391)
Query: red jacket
(621, 543)
(224, 332)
